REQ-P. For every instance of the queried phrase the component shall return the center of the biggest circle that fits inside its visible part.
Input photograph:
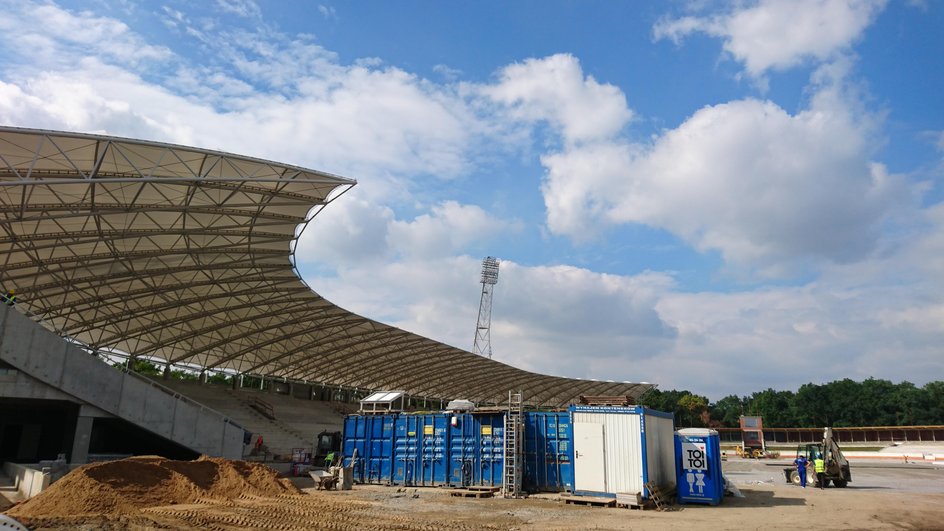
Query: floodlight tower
(483, 343)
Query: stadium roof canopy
(184, 256)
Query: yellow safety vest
(819, 465)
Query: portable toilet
(698, 465)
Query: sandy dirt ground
(881, 496)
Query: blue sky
(719, 196)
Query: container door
(491, 449)
(559, 473)
(405, 450)
(546, 452)
(534, 437)
(589, 457)
(463, 461)
(381, 450)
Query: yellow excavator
(752, 443)
(837, 466)
(748, 452)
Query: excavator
(837, 466)
(328, 442)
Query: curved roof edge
(184, 255)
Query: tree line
(872, 402)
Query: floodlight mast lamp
(483, 342)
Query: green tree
(776, 407)
(219, 378)
(872, 402)
(933, 413)
(667, 401)
(140, 366)
(728, 410)
(693, 405)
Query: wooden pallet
(607, 400)
(483, 488)
(593, 501)
(630, 501)
(660, 499)
(469, 493)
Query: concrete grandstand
(184, 257)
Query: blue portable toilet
(698, 466)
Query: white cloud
(49, 35)
(349, 231)
(355, 230)
(766, 188)
(63, 101)
(447, 73)
(449, 228)
(328, 12)
(243, 8)
(551, 319)
(377, 122)
(575, 322)
(555, 89)
(780, 34)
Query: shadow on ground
(761, 498)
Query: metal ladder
(511, 485)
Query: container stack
(587, 450)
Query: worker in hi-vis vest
(10, 297)
(820, 467)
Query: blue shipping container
(547, 465)
(420, 455)
(373, 438)
(698, 465)
(456, 449)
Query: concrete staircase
(48, 358)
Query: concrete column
(80, 443)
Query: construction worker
(329, 460)
(820, 467)
(801, 463)
(11, 297)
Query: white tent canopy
(184, 256)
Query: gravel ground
(881, 496)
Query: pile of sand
(122, 487)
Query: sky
(722, 197)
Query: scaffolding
(511, 483)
